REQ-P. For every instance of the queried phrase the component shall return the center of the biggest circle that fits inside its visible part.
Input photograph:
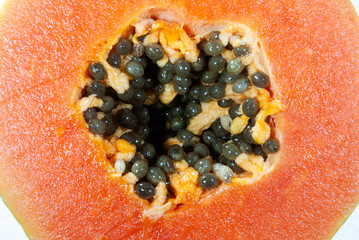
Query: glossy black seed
(176, 111)
(177, 123)
(148, 150)
(175, 152)
(158, 88)
(181, 90)
(209, 137)
(244, 147)
(123, 47)
(208, 181)
(192, 158)
(143, 131)
(217, 145)
(222, 159)
(202, 150)
(156, 175)
(166, 164)
(141, 60)
(111, 126)
(250, 107)
(227, 78)
(138, 82)
(139, 98)
(217, 90)
(213, 47)
(132, 138)
(203, 166)
(234, 111)
(114, 60)
(247, 136)
(90, 113)
(97, 71)
(235, 168)
(199, 64)
(136, 158)
(224, 103)
(134, 69)
(237, 137)
(217, 63)
(258, 150)
(108, 104)
(204, 94)
(235, 66)
(182, 81)
(164, 76)
(168, 67)
(218, 129)
(189, 146)
(260, 79)
(97, 88)
(154, 51)
(271, 146)
(230, 151)
(182, 67)
(143, 114)
(193, 109)
(97, 126)
(184, 135)
(214, 35)
(241, 50)
(195, 91)
(148, 82)
(138, 50)
(127, 95)
(209, 77)
(145, 190)
(241, 85)
(127, 119)
(158, 105)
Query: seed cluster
(147, 127)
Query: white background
(11, 230)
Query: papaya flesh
(52, 176)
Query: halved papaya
(57, 171)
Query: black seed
(168, 67)
(217, 63)
(136, 158)
(208, 181)
(111, 126)
(182, 67)
(250, 107)
(235, 168)
(176, 111)
(235, 66)
(234, 111)
(97, 88)
(209, 77)
(258, 150)
(177, 123)
(230, 151)
(127, 95)
(148, 151)
(189, 146)
(184, 135)
(194, 92)
(199, 64)
(242, 50)
(138, 50)
(108, 104)
(247, 135)
(123, 47)
(166, 164)
(181, 90)
(154, 51)
(139, 98)
(241, 85)
(97, 126)
(217, 90)
(193, 109)
(97, 71)
(143, 131)
(90, 113)
(222, 159)
(203, 166)
(164, 76)
(209, 137)
(143, 114)
(138, 82)
(132, 138)
(214, 35)
(182, 81)
(175, 152)
(224, 103)
(271, 146)
(202, 150)
(217, 145)
(148, 82)
(141, 60)
(114, 60)
(158, 105)
(145, 190)
(218, 129)
(237, 137)
(213, 47)
(140, 168)
(244, 147)
(204, 94)
(158, 88)
(227, 78)
(260, 79)
(192, 158)
(156, 175)
(127, 119)
(134, 69)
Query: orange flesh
(55, 185)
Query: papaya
(179, 119)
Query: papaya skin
(52, 174)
